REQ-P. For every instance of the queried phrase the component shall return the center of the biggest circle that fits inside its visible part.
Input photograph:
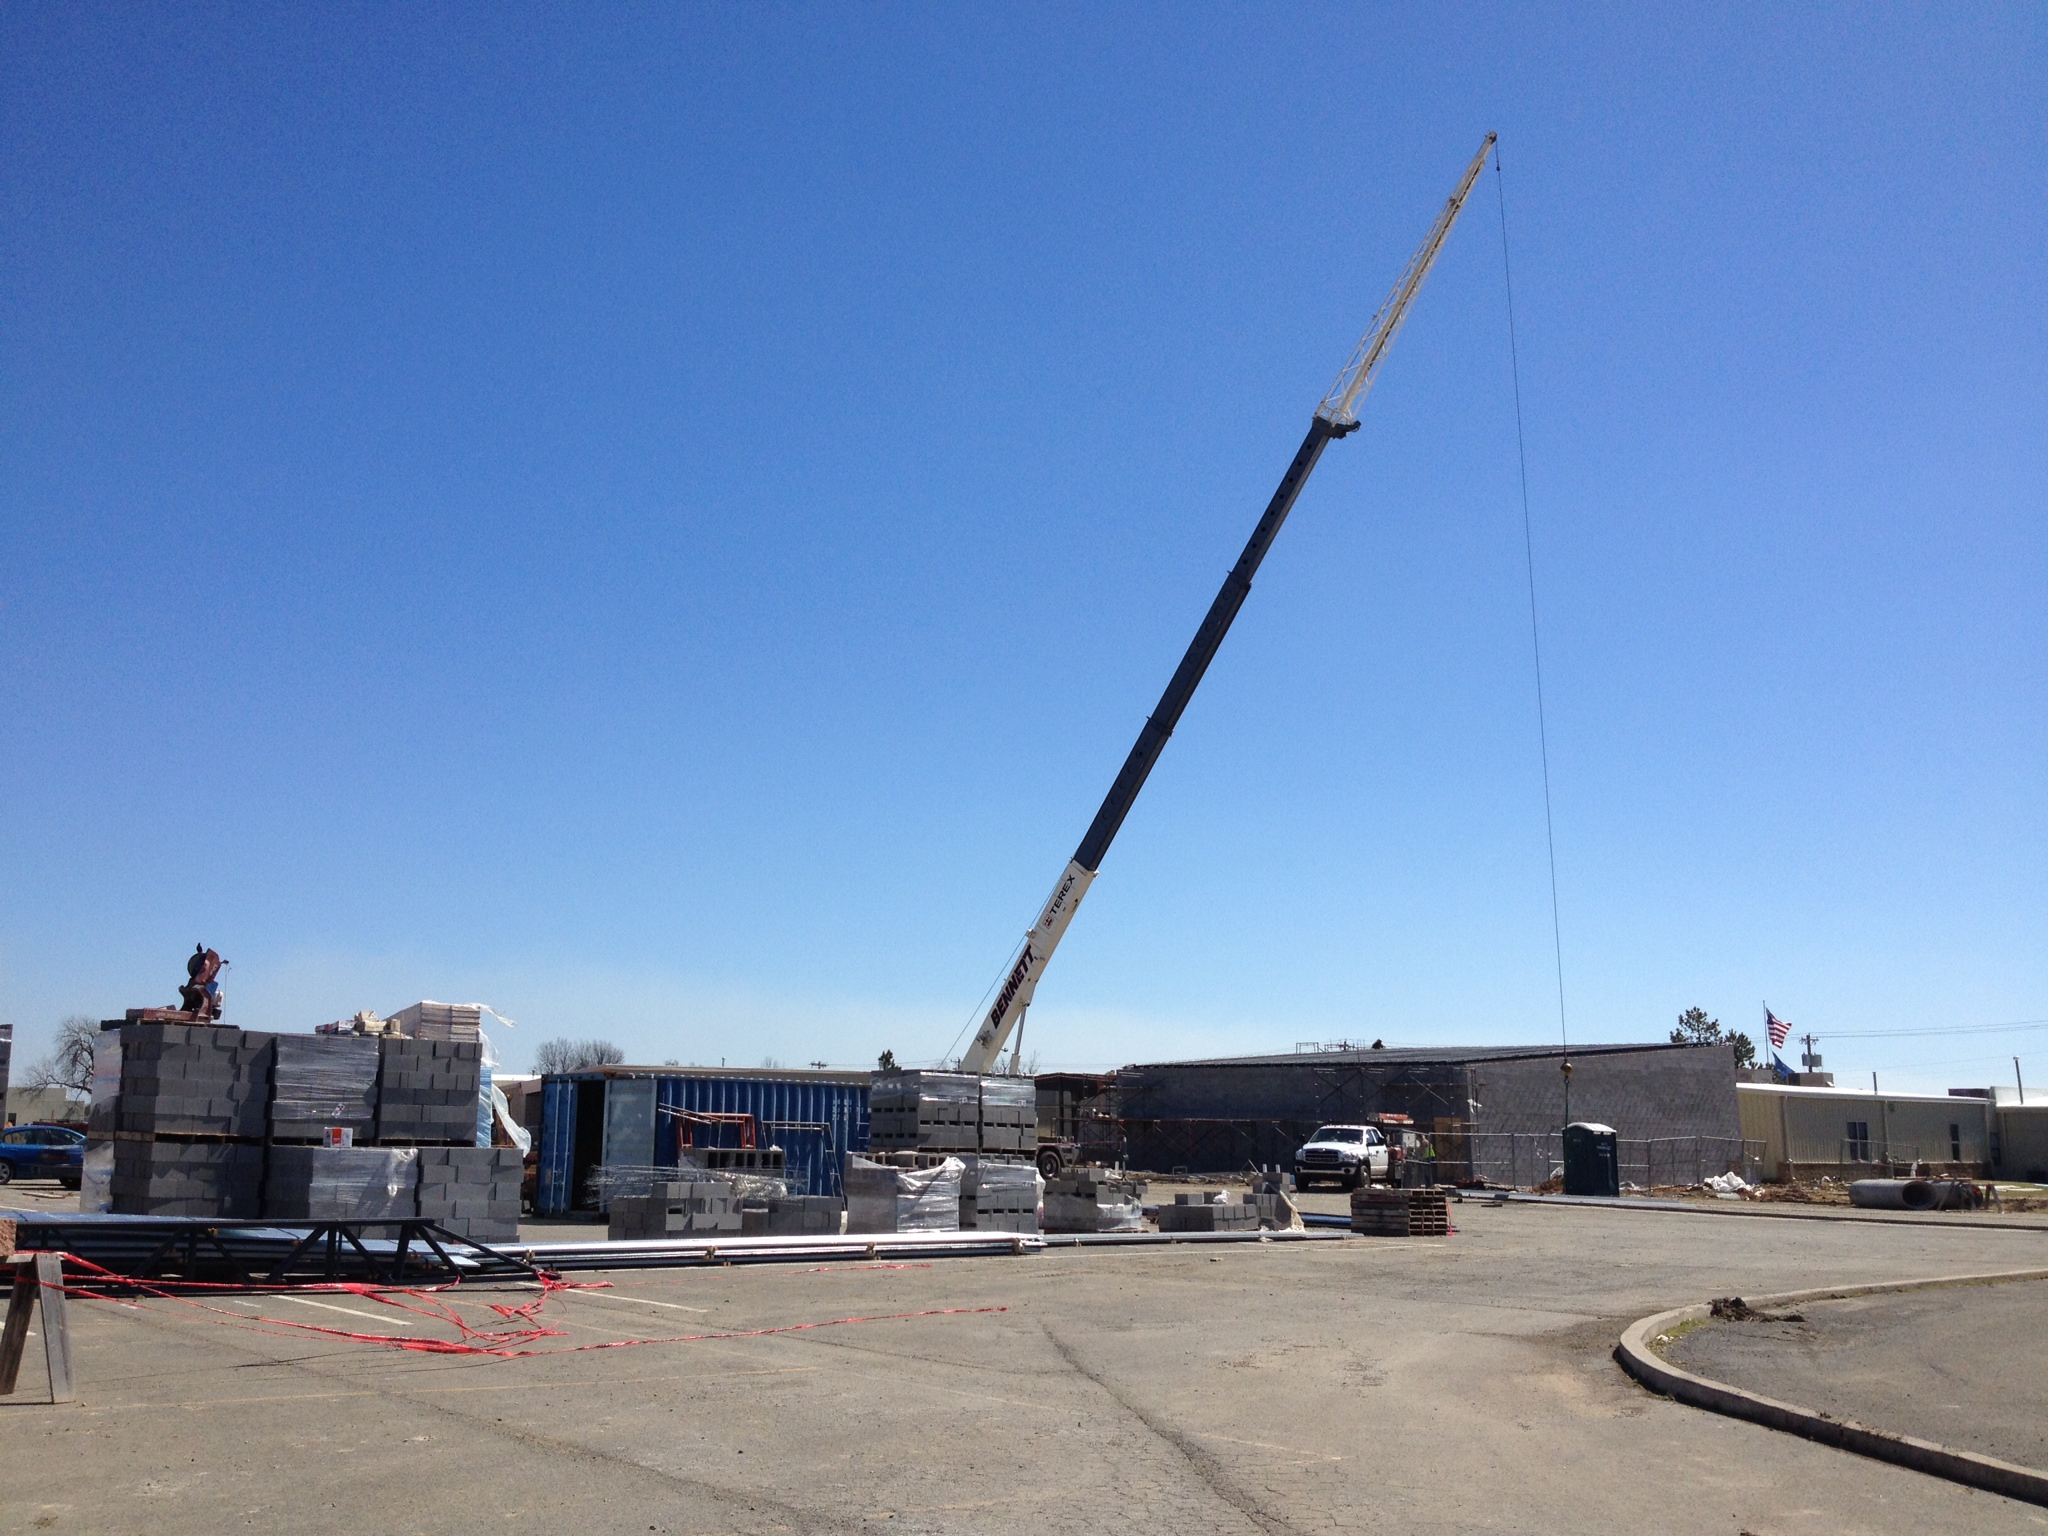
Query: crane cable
(1529, 557)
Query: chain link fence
(1526, 1159)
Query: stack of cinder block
(952, 1112)
(427, 1094)
(1208, 1211)
(1094, 1200)
(885, 1197)
(169, 1177)
(187, 1120)
(768, 1162)
(791, 1216)
(682, 1208)
(320, 1082)
(194, 1080)
(471, 1191)
(1009, 1114)
(207, 1120)
(931, 1111)
(999, 1196)
(341, 1184)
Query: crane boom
(1336, 417)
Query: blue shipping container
(815, 1117)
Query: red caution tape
(514, 1341)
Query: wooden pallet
(1400, 1213)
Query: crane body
(1335, 418)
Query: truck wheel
(1049, 1163)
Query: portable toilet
(1591, 1163)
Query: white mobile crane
(1336, 417)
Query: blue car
(42, 1152)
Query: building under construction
(1491, 1112)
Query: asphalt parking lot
(1459, 1384)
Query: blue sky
(667, 520)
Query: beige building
(1842, 1132)
(2022, 1150)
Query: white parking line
(326, 1306)
(645, 1301)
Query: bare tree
(69, 1063)
(575, 1055)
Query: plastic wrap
(1094, 1200)
(96, 1181)
(501, 1107)
(928, 1199)
(342, 1183)
(105, 1087)
(1008, 1187)
(483, 1105)
(1006, 1198)
(1009, 1093)
(871, 1196)
(885, 1199)
(323, 1080)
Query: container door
(629, 1123)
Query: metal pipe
(1914, 1194)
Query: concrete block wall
(1216, 1117)
(1682, 1091)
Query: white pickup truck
(1345, 1155)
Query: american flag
(1777, 1028)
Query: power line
(1903, 1034)
(1529, 554)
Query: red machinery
(200, 997)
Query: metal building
(2021, 1150)
(1854, 1133)
(1493, 1112)
(625, 1116)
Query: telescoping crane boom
(1336, 417)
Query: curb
(1858, 1216)
(1634, 1354)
